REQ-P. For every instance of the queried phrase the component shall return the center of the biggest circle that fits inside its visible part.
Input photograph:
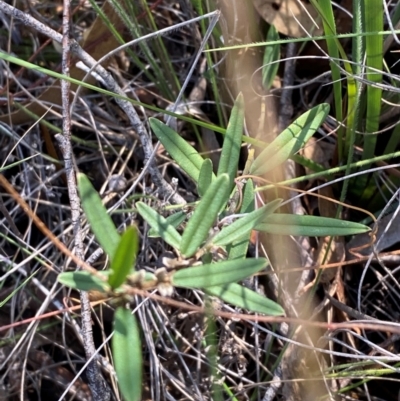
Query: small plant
(213, 262)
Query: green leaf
(243, 226)
(83, 281)
(205, 176)
(229, 160)
(228, 271)
(335, 51)
(290, 141)
(238, 249)
(162, 227)
(291, 224)
(271, 56)
(174, 220)
(185, 155)
(127, 354)
(373, 19)
(204, 215)
(99, 220)
(124, 257)
(245, 298)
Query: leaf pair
(187, 157)
(290, 141)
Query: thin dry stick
(363, 323)
(98, 386)
(48, 315)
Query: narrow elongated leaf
(174, 220)
(238, 249)
(204, 216)
(205, 176)
(243, 226)
(127, 354)
(185, 155)
(271, 56)
(326, 11)
(99, 220)
(228, 163)
(290, 224)
(245, 298)
(124, 257)
(373, 18)
(290, 141)
(228, 271)
(83, 281)
(162, 227)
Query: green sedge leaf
(228, 271)
(245, 298)
(238, 249)
(124, 258)
(174, 220)
(83, 281)
(204, 216)
(271, 56)
(290, 141)
(374, 64)
(98, 218)
(127, 354)
(205, 176)
(290, 224)
(229, 160)
(163, 228)
(185, 155)
(243, 226)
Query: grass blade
(271, 56)
(373, 19)
(325, 10)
